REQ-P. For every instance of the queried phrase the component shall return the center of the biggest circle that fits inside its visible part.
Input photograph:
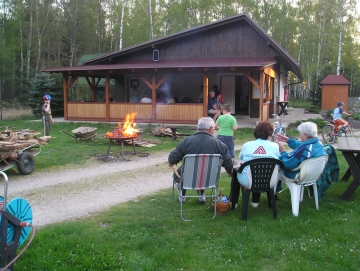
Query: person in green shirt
(226, 124)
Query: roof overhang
(173, 65)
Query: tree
(42, 84)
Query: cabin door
(227, 87)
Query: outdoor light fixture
(156, 55)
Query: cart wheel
(21, 209)
(25, 163)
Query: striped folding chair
(198, 172)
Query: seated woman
(261, 147)
(308, 146)
(218, 104)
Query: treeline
(322, 35)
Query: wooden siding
(86, 110)
(332, 94)
(118, 111)
(179, 112)
(238, 40)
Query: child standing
(226, 124)
(46, 115)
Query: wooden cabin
(334, 89)
(235, 54)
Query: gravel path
(80, 192)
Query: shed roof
(335, 80)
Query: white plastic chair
(310, 171)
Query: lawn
(147, 234)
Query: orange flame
(127, 129)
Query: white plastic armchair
(310, 171)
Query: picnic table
(175, 128)
(350, 148)
(282, 107)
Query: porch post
(261, 98)
(107, 91)
(65, 95)
(205, 94)
(153, 97)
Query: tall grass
(14, 110)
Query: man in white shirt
(146, 99)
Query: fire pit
(123, 132)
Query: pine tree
(44, 83)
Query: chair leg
(173, 197)
(316, 196)
(295, 191)
(302, 188)
(272, 200)
(245, 203)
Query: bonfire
(125, 130)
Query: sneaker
(254, 205)
(202, 199)
(182, 199)
(236, 205)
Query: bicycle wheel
(349, 131)
(283, 131)
(326, 134)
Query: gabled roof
(283, 56)
(106, 61)
(335, 80)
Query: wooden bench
(175, 128)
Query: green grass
(147, 234)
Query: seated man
(146, 99)
(337, 116)
(202, 142)
(212, 108)
(309, 146)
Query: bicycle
(278, 127)
(329, 135)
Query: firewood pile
(12, 142)
(143, 142)
(162, 131)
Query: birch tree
(122, 24)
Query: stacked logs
(12, 142)
(162, 131)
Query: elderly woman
(261, 147)
(308, 146)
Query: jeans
(229, 142)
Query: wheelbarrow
(87, 133)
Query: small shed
(335, 88)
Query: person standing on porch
(46, 114)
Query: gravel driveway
(80, 192)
